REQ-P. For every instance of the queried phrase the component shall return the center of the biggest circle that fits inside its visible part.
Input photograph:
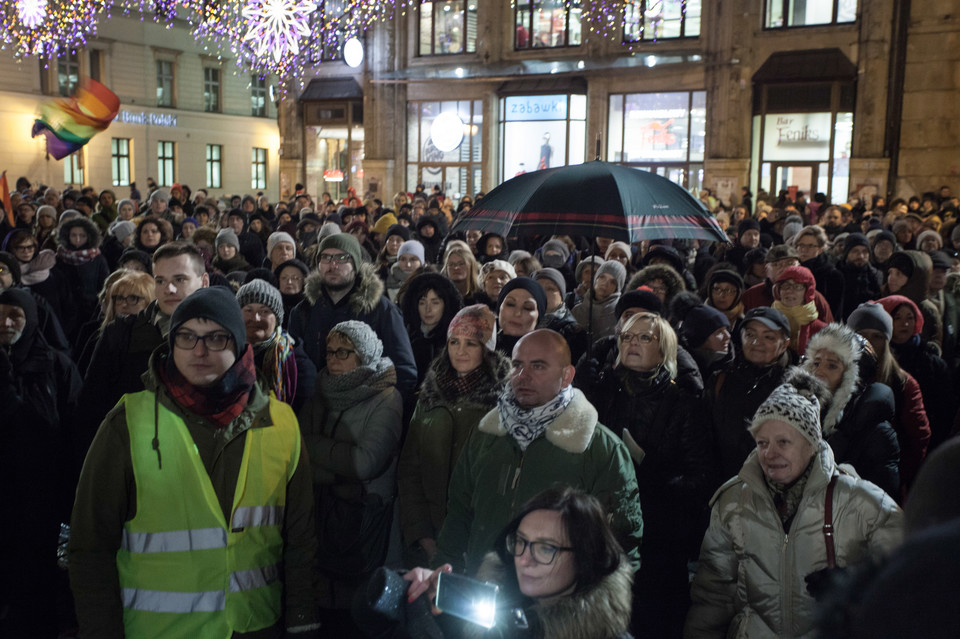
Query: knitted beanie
(24, 299)
(344, 242)
(554, 276)
(412, 247)
(622, 246)
(277, 238)
(495, 265)
(700, 323)
(384, 222)
(642, 297)
(10, 261)
(328, 229)
(872, 316)
(929, 233)
(398, 229)
(614, 269)
(122, 229)
(227, 236)
(474, 322)
(261, 292)
(294, 263)
(214, 304)
(368, 346)
(531, 286)
(796, 402)
(748, 224)
(552, 247)
(592, 259)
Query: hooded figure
(857, 418)
(908, 274)
(38, 390)
(82, 270)
(427, 294)
(431, 241)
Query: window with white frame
(68, 74)
(120, 161)
(214, 166)
(258, 96)
(652, 20)
(166, 163)
(781, 14)
(166, 70)
(73, 169)
(258, 168)
(448, 27)
(211, 89)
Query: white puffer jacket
(750, 582)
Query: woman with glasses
(351, 428)
(794, 293)
(124, 293)
(460, 267)
(723, 291)
(639, 399)
(291, 276)
(562, 574)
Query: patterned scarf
(349, 389)
(279, 365)
(526, 425)
(76, 258)
(452, 385)
(786, 497)
(223, 401)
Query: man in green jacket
(543, 432)
(194, 512)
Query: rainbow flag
(71, 123)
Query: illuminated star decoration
(274, 27)
(31, 12)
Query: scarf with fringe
(349, 389)
(221, 402)
(279, 365)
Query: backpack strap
(828, 525)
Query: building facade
(832, 96)
(186, 116)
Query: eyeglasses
(541, 552)
(23, 248)
(127, 299)
(211, 341)
(337, 260)
(340, 353)
(807, 246)
(789, 285)
(642, 338)
(723, 290)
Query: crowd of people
(257, 418)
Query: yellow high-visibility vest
(184, 570)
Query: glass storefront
(445, 146)
(334, 159)
(664, 133)
(541, 132)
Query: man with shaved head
(542, 433)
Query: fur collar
(483, 396)
(91, 229)
(364, 297)
(840, 340)
(670, 278)
(572, 430)
(602, 611)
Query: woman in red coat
(794, 295)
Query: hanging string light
(48, 28)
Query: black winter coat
(865, 439)
(859, 285)
(919, 358)
(605, 352)
(730, 399)
(830, 281)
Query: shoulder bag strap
(828, 525)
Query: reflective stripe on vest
(174, 540)
(179, 554)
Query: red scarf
(223, 401)
(77, 257)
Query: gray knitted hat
(554, 276)
(558, 247)
(873, 316)
(412, 247)
(614, 269)
(122, 229)
(592, 259)
(227, 236)
(365, 341)
(344, 242)
(277, 238)
(261, 292)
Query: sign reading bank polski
(144, 118)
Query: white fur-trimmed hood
(571, 431)
(842, 341)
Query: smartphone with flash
(466, 598)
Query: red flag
(7, 206)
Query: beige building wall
(129, 50)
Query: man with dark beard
(346, 288)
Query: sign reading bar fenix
(155, 119)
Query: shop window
(120, 161)
(541, 132)
(214, 166)
(211, 89)
(165, 83)
(166, 163)
(258, 168)
(258, 96)
(68, 74)
(651, 20)
(73, 169)
(448, 27)
(804, 13)
(547, 23)
(661, 132)
(445, 146)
